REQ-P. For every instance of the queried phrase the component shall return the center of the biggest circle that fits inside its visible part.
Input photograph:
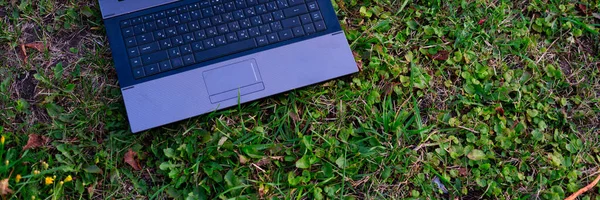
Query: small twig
(585, 189)
(257, 167)
(468, 129)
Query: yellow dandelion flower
(68, 179)
(2, 139)
(61, 183)
(48, 180)
(18, 178)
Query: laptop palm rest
(233, 81)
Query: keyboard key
(136, 21)
(225, 50)
(265, 29)
(128, 32)
(195, 6)
(171, 12)
(271, 6)
(262, 1)
(162, 23)
(273, 37)
(223, 29)
(316, 16)
(286, 34)
(197, 46)
(154, 57)
(207, 12)
(159, 35)
(240, 4)
(238, 14)
(139, 29)
(171, 31)
(309, 28)
(205, 23)
(295, 2)
(144, 38)
(227, 17)
(195, 14)
(249, 12)
(133, 52)
(130, 42)
(149, 48)
(213, 2)
(276, 26)
(229, 6)
(125, 23)
(136, 62)
(298, 31)
(194, 26)
(148, 18)
(174, 52)
(313, 6)
(186, 49)
(251, 2)
(209, 43)
(216, 20)
(177, 40)
(165, 44)
(204, 3)
(220, 40)
(291, 22)
(282, 4)
(278, 15)
(261, 9)
(256, 20)
(254, 31)
(231, 37)
(165, 65)
(182, 9)
(262, 40)
(305, 19)
(200, 35)
(219, 9)
(267, 18)
(295, 11)
(188, 59)
(245, 23)
(181, 29)
(185, 17)
(138, 73)
(320, 26)
(151, 69)
(176, 62)
(211, 32)
(173, 20)
(160, 15)
(243, 34)
(234, 26)
(189, 38)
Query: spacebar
(225, 50)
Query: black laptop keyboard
(198, 32)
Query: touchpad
(233, 80)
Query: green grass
(491, 99)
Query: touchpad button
(229, 81)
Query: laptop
(177, 59)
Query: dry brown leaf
(4, 188)
(263, 162)
(583, 9)
(500, 110)
(596, 15)
(440, 55)
(36, 141)
(39, 46)
(585, 189)
(294, 116)
(463, 171)
(23, 52)
(131, 159)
